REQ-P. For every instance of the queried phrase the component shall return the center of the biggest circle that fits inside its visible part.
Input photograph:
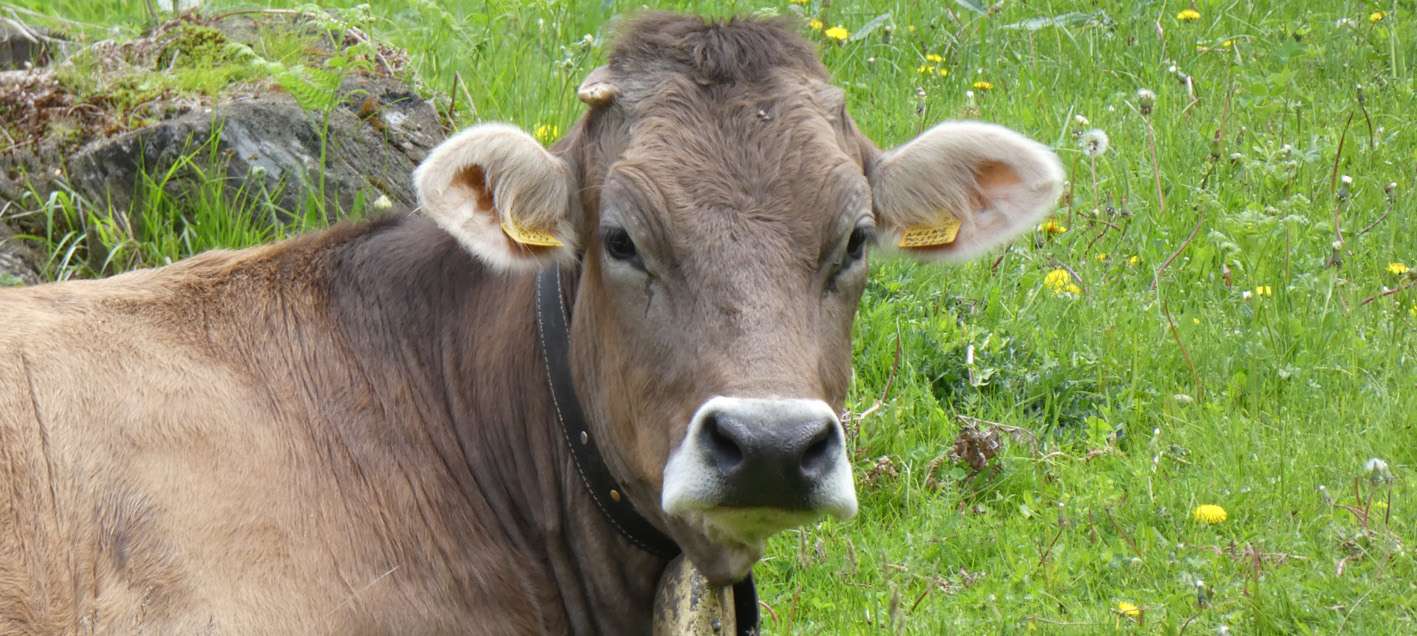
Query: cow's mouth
(750, 527)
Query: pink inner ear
(991, 177)
(996, 174)
(474, 181)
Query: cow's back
(188, 450)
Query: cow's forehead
(726, 158)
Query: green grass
(1270, 410)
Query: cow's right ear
(503, 196)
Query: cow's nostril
(721, 447)
(820, 451)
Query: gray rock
(268, 148)
(24, 46)
(18, 264)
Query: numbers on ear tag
(529, 236)
(931, 235)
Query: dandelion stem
(1155, 168)
(1048, 551)
(1108, 510)
(1333, 176)
(1372, 225)
(1372, 142)
(1092, 161)
(1200, 387)
(1409, 285)
(1157, 278)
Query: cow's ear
(961, 188)
(502, 195)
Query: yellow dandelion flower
(1188, 15)
(1196, 320)
(1397, 268)
(983, 86)
(1102, 256)
(547, 133)
(837, 33)
(799, 1)
(926, 68)
(910, 28)
(944, 72)
(934, 58)
(1228, 43)
(1379, 507)
(1377, 16)
(1210, 513)
(1052, 227)
(1134, 260)
(1413, 310)
(1128, 609)
(1264, 290)
(1061, 282)
(814, 24)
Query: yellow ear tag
(529, 236)
(931, 235)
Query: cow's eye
(856, 244)
(619, 246)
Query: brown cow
(351, 432)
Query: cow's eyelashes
(619, 246)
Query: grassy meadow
(1219, 314)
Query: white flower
(383, 203)
(1093, 142)
(1081, 121)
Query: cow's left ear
(961, 188)
(503, 196)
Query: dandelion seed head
(1093, 142)
(1145, 100)
(1346, 180)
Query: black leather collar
(553, 329)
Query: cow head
(721, 203)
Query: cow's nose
(762, 453)
(769, 459)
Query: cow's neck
(465, 339)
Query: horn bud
(598, 89)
